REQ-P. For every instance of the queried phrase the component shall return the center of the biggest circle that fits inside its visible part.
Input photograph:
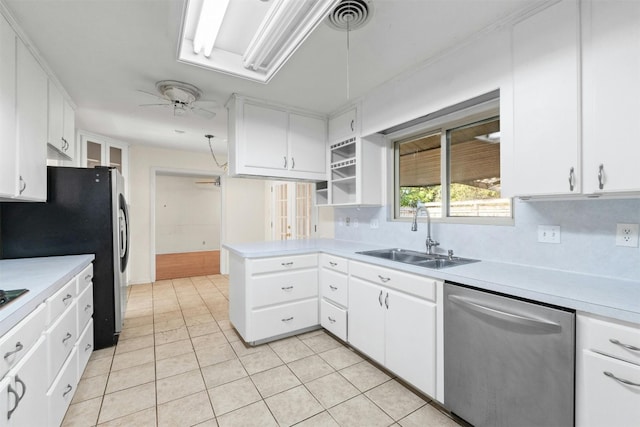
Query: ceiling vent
(350, 14)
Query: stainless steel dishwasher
(507, 362)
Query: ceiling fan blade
(155, 95)
(155, 105)
(203, 113)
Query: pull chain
(348, 18)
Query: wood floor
(188, 264)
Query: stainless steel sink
(419, 259)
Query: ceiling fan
(181, 97)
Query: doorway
(292, 210)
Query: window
(453, 166)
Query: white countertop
(605, 296)
(41, 276)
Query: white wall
(187, 214)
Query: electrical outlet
(627, 235)
(549, 233)
(374, 223)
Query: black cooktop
(6, 296)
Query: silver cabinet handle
(287, 288)
(11, 390)
(333, 288)
(293, 163)
(285, 162)
(333, 264)
(353, 122)
(66, 337)
(627, 346)
(331, 319)
(621, 380)
(384, 279)
(88, 307)
(572, 179)
(87, 347)
(18, 348)
(380, 298)
(386, 301)
(510, 317)
(88, 277)
(287, 319)
(601, 176)
(67, 390)
(286, 264)
(23, 185)
(64, 300)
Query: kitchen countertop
(606, 296)
(42, 276)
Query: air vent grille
(350, 14)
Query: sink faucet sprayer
(414, 226)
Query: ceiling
(105, 51)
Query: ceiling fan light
(209, 23)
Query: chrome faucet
(414, 226)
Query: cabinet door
(546, 67)
(342, 125)
(410, 333)
(611, 96)
(29, 378)
(8, 170)
(69, 129)
(265, 138)
(55, 120)
(31, 126)
(366, 318)
(307, 145)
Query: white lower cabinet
(334, 283)
(63, 388)
(396, 329)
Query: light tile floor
(180, 363)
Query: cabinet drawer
(84, 347)
(85, 278)
(62, 390)
(334, 263)
(267, 265)
(610, 338)
(420, 286)
(61, 337)
(58, 302)
(17, 342)
(287, 318)
(333, 286)
(84, 306)
(284, 287)
(334, 319)
(607, 401)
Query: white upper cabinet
(342, 125)
(611, 96)
(546, 110)
(61, 125)
(273, 141)
(8, 167)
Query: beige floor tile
(90, 388)
(255, 415)
(341, 357)
(83, 414)
(199, 316)
(231, 396)
(242, 348)
(131, 377)
(364, 375)
(395, 399)
(290, 349)
(258, 362)
(293, 406)
(332, 389)
(172, 335)
(212, 355)
(310, 368)
(203, 329)
(208, 423)
(223, 372)
(136, 331)
(97, 367)
(144, 418)
(132, 344)
(427, 416)
(210, 340)
(186, 411)
(138, 313)
(310, 334)
(224, 324)
(360, 412)
(321, 342)
(323, 419)
(179, 386)
(176, 365)
(171, 349)
(168, 325)
(275, 380)
(132, 358)
(102, 353)
(126, 402)
(232, 335)
(134, 322)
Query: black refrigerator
(85, 213)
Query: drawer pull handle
(384, 279)
(88, 307)
(88, 277)
(333, 264)
(68, 389)
(627, 346)
(333, 288)
(621, 380)
(64, 300)
(386, 301)
(288, 319)
(287, 288)
(380, 298)
(15, 392)
(287, 264)
(66, 337)
(87, 347)
(18, 348)
(331, 319)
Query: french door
(291, 210)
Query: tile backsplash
(587, 243)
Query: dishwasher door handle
(510, 317)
